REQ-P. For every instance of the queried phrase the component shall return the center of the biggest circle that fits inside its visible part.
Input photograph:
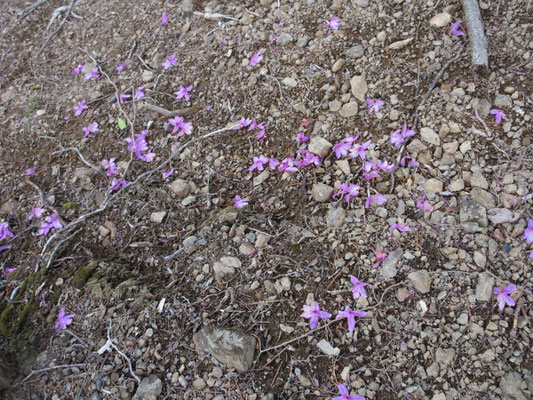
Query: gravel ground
(177, 293)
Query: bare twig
(23, 14)
(98, 170)
(49, 369)
(141, 178)
(476, 34)
(181, 112)
(110, 341)
(69, 11)
(214, 16)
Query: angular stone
(433, 185)
(355, 52)
(338, 65)
(456, 185)
(511, 386)
(158, 216)
(391, 264)
(479, 180)
(421, 280)
(84, 173)
(483, 197)
(344, 166)
(359, 87)
(444, 356)
(322, 192)
(335, 217)
(319, 146)
(440, 20)
(284, 39)
(349, 110)
(472, 211)
(261, 178)
(484, 287)
(226, 266)
(288, 81)
(149, 388)
(180, 187)
(327, 348)
(246, 249)
(430, 136)
(230, 347)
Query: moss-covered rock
(83, 274)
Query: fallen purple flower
(117, 184)
(359, 150)
(499, 114)
(121, 67)
(503, 297)
(454, 29)
(122, 97)
(63, 320)
(350, 314)
(400, 227)
(4, 231)
(91, 128)
(240, 202)
(334, 23)
(424, 206)
(358, 288)
(345, 394)
(258, 163)
(30, 171)
(80, 107)
(374, 105)
(169, 62)
(313, 314)
(93, 74)
(377, 199)
(341, 149)
(380, 256)
(272, 163)
(287, 165)
(183, 93)
(164, 19)
(301, 138)
(257, 57)
(139, 94)
(397, 137)
(528, 232)
(168, 173)
(37, 212)
(78, 69)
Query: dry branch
(476, 33)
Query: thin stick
(169, 114)
(121, 353)
(214, 16)
(50, 368)
(72, 4)
(98, 170)
(33, 8)
(476, 34)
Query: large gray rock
(319, 146)
(335, 217)
(421, 280)
(149, 388)
(472, 211)
(359, 87)
(393, 261)
(484, 287)
(230, 347)
(321, 192)
(511, 384)
(180, 187)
